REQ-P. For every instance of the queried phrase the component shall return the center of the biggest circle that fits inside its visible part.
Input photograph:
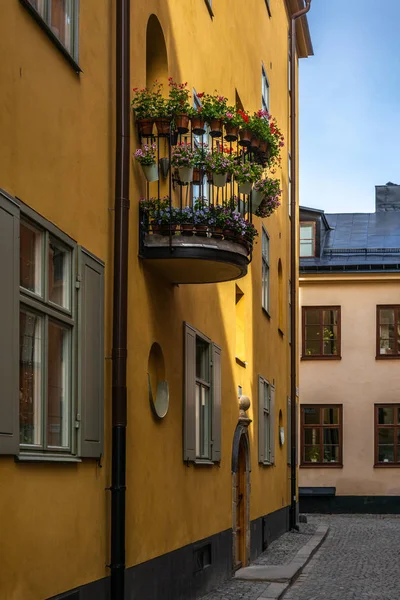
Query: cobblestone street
(358, 560)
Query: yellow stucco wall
(57, 155)
(358, 380)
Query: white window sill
(54, 458)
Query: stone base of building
(191, 571)
(350, 504)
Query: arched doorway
(241, 497)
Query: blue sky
(350, 104)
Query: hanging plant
(146, 157)
(184, 158)
(265, 197)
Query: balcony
(195, 224)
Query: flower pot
(264, 146)
(201, 230)
(174, 138)
(229, 234)
(156, 229)
(197, 176)
(217, 232)
(164, 166)
(145, 126)
(185, 174)
(256, 199)
(245, 137)
(198, 126)
(182, 123)
(245, 188)
(254, 143)
(216, 126)
(163, 126)
(165, 229)
(187, 229)
(231, 133)
(150, 172)
(219, 179)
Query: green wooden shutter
(289, 431)
(216, 418)
(261, 432)
(9, 316)
(189, 400)
(272, 423)
(90, 354)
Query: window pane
(306, 232)
(330, 348)
(313, 332)
(312, 435)
(61, 21)
(331, 454)
(385, 436)
(312, 454)
(306, 248)
(59, 275)
(266, 396)
(30, 258)
(313, 348)
(386, 415)
(38, 5)
(331, 416)
(202, 360)
(311, 416)
(331, 436)
(386, 331)
(266, 437)
(385, 453)
(265, 246)
(330, 317)
(30, 379)
(58, 385)
(205, 418)
(312, 316)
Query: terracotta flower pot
(156, 229)
(229, 234)
(264, 146)
(198, 127)
(197, 176)
(182, 123)
(231, 133)
(216, 126)
(150, 172)
(187, 229)
(163, 126)
(245, 137)
(165, 229)
(145, 126)
(201, 230)
(254, 143)
(219, 179)
(217, 232)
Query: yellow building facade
(190, 521)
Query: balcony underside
(194, 259)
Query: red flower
(200, 95)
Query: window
(202, 402)
(53, 317)
(321, 435)
(265, 270)
(264, 90)
(60, 18)
(388, 331)
(387, 434)
(307, 239)
(321, 332)
(266, 422)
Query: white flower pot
(219, 180)
(150, 172)
(256, 199)
(185, 174)
(245, 188)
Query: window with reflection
(321, 332)
(388, 331)
(321, 435)
(61, 17)
(307, 239)
(387, 434)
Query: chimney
(387, 197)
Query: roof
(304, 43)
(358, 241)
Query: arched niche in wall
(280, 296)
(156, 54)
(157, 384)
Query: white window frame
(265, 90)
(265, 273)
(38, 303)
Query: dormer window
(307, 239)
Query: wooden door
(241, 508)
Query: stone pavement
(280, 552)
(359, 560)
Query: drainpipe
(293, 261)
(120, 301)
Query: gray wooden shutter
(216, 417)
(289, 431)
(189, 400)
(272, 423)
(91, 354)
(261, 432)
(9, 315)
